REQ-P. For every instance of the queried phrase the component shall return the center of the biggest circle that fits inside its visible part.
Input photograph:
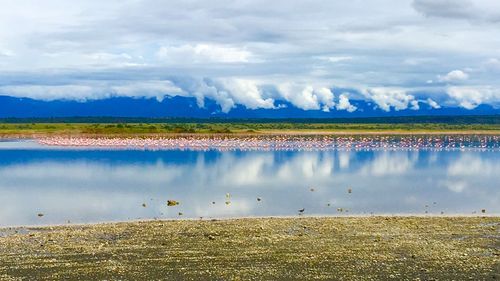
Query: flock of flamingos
(277, 142)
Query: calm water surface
(85, 185)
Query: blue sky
(313, 55)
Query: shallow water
(90, 185)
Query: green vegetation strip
(368, 248)
(124, 129)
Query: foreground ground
(372, 248)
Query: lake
(42, 185)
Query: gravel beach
(347, 248)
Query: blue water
(82, 186)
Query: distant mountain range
(187, 108)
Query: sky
(313, 55)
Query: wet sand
(347, 248)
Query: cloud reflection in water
(95, 186)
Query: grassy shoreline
(345, 248)
(34, 130)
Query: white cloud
(433, 103)
(49, 92)
(93, 90)
(386, 98)
(158, 89)
(344, 104)
(338, 59)
(414, 105)
(201, 89)
(307, 97)
(325, 97)
(469, 97)
(203, 53)
(452, 76)
(247, 93)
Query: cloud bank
(313, 55)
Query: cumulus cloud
(203, 53)
(307, 97)
(386, 98)
(345, 104)
(470, 97)
(247, 93)
(432, 103)
(229, 92)
(452, 76)
(203, 89)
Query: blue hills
(185, 107)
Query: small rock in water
(328, 204)
(349, 190)
(228, 202)
(144, 205)
(213, 202)
(483, 211)
(180, 214)
(40, 215)
(259, 199)
(312, 189)
(171, 203)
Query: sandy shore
(348, 248)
